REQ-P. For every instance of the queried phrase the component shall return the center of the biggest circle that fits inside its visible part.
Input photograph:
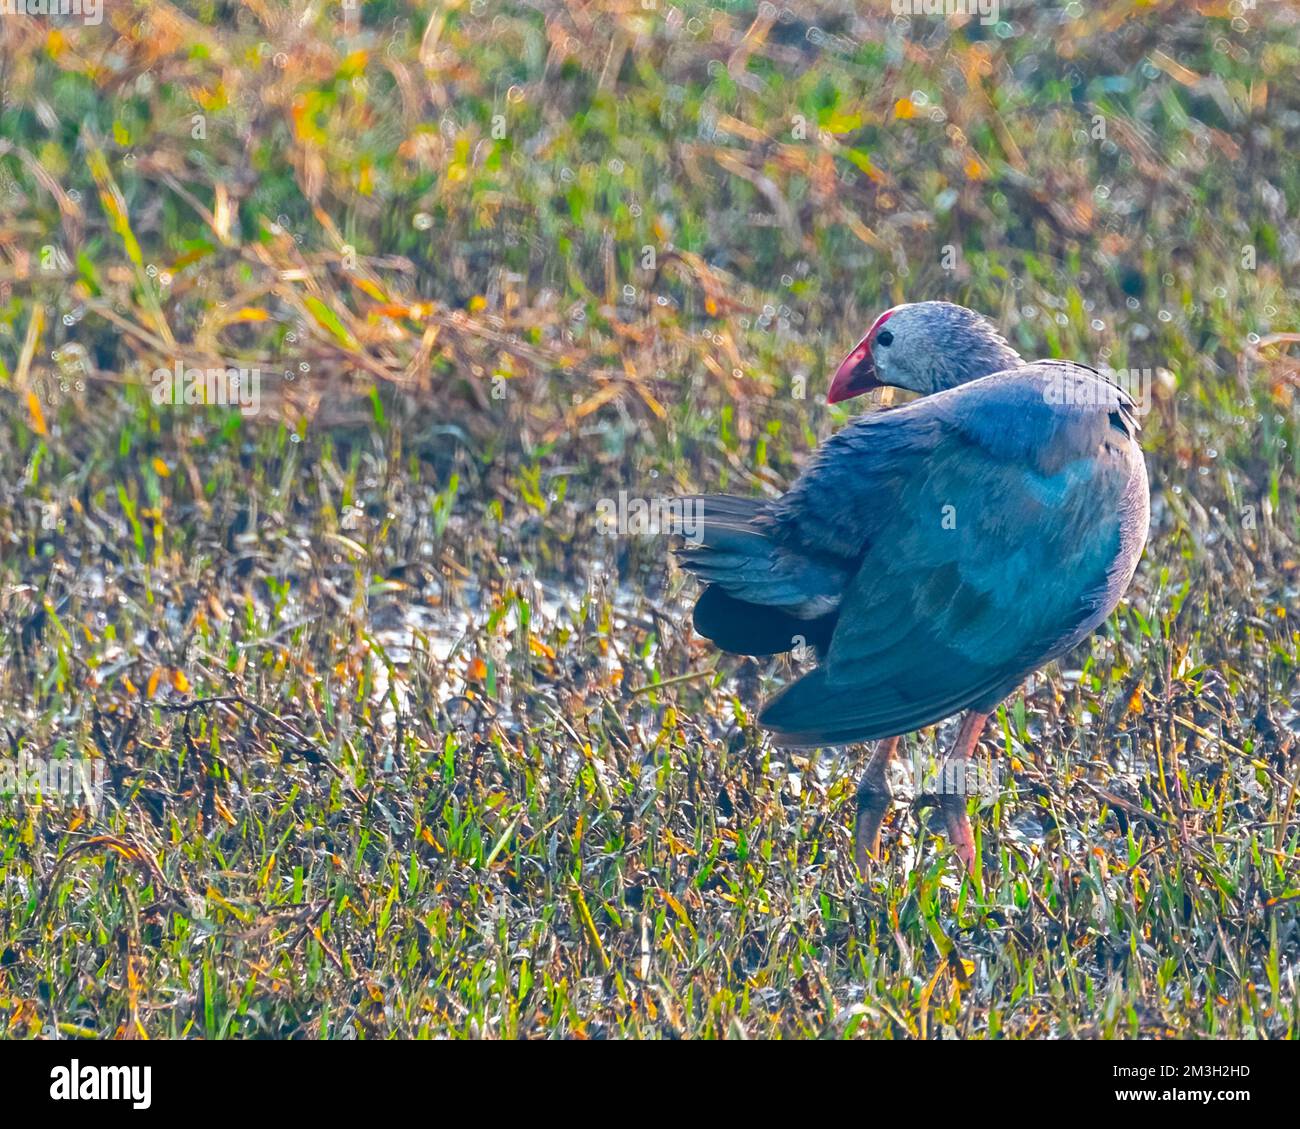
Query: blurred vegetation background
(495, 261)
(662, 197)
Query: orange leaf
(38, 416)
(368, 287)
(1135, 699)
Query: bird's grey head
(924, 347)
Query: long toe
(959, 829)
(875, 794)
(866, 829)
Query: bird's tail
(743, 628)
(758, 600)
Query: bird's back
(990, 528)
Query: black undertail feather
(743, 628)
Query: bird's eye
(884, 338)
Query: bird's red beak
(856, 374)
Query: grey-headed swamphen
(933, 554)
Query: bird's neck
(983, 358)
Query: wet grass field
(384, 733)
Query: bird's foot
(959, 830)
(953, 803)
(874, 796)
(872, 807)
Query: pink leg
(954, 803)
(873, 799)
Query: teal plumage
(936, 553)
